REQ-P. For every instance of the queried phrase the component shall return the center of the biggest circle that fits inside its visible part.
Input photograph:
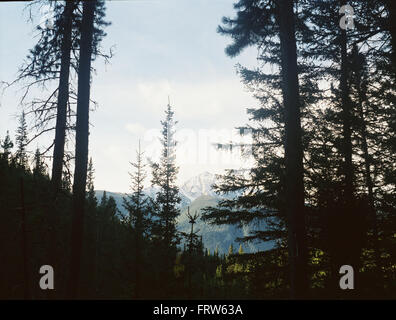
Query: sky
(166, 48)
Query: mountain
(192, 189)
(152, 191)
(220, 237)
(197, 193)
(198, 186)
(201, 185)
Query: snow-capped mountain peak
(198, 186)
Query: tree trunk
(26, 280)
(138, 253)
(347, 252)
(368, 178)
(59, 145)
(63, 97)
(294, 189)
(370, 187)
(82, 132)
(190, 251)
(346, 117)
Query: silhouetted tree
(21, 142)
(7, 145)
(81, 153)
(167, 199)
(39, 168)
(294, 186)
(273, 190)
(63, 94)
(139, 207)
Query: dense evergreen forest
(322, 183)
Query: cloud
(195, 100)
(211, 101)
(135, 128)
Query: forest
(321, 187)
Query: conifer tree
(194, 247)
(272, 191)
(39, 168)
(167, 199)
(137, 203)
(349, 252)
(55, 59)
(103, 200)
(90, 184)
(139, 207)
(390, 26)
(347, 138)
(7, 145)
(82, 134)
(63, 94)
(91, 231)
(21, 142)
(230, 250)
(294, 171)
(359, 89)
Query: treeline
(323, 182)
(123, 257)
(62, 60)
(55, 219)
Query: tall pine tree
(21, 142)
(82, 136)
(139, 208)
(164, 175)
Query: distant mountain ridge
(200, 185)
(192, 189)
(198, 193)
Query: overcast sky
(162, 48)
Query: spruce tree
(348, 153)
(167, 200)
(21, 142)
(139, 208)
(294, 185)
(272, 191)
(90, 184)
(7, 145)
(359, 89)
(39, 168)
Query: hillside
(197, 193)
(216, 236)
